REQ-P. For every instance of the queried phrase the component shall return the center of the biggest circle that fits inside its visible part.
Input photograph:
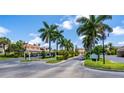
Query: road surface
(69, 69)
(115, 58)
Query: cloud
(81, 37)
(118, 30)
(67, 22)
(33, 35)
(78, 44)
(120, 43)
(67, 25)
(70, 21)
(3, 31)
(36, 40)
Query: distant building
(44, 49)
(34, 48)
(81, 51)
(120, 52)
(2, 51)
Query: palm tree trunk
(49, 46)
(103, 50)
(57, 49)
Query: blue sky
(26, 27)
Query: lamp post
(25, 49)
(103, 37)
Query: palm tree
(70, 45)
(47, 33)
(66, 44)
(61, 42)
(5, 42)
(94, 29)
(57, 37)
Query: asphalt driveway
(69, 69)
(115, 58)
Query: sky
(25, 27)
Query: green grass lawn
(48, 58)
(53, 61)
(113, 66)
(30, 60)
(4, 58)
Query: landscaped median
(53, 61)
(25, 61)
(110, 66)
(58, 60)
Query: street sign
(94, 56)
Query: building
(81, 51)
(33, 48)
(120, 52)
(44, 49)
(2, 51)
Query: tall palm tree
(93, 28)
(57, 37)
(61, 42)
(5, 42)
(66, 44)
(47, 33)
(88, 28)
(70, 45)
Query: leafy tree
(98, 50)
(17, 48)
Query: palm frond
(101, 18)
(45, 24)
(92, 18)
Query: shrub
(113, 52)
(71, 53)
(76, 53)
(12, 55)
(66, 55)
(53, 54)
(43, 54)
(87, 55)
(60, 58)
(108, 52)
(61, 52)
